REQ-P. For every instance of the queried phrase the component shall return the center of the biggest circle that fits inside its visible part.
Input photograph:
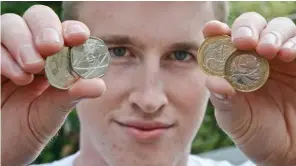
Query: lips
(144, 131)
(142, 125)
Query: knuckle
(249, 18)
(214, 22)
(253, 15)
(35, 9)
(40, 16)
(67, 23)
(282, 25)
(293, 39)
(282, 20)
(248, 14)
(9, 18)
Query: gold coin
(246, 71)
(213, 54)
(58, 71)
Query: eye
(181, 56)
(118, 51)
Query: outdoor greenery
(209, 137)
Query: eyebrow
(128, 40)
(121, 40)
(185, 46)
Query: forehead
(154, 22)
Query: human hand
(261, 123)
(32, 111)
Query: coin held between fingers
(58, 72)
(87, 61)
(246, 71)
(91, 59)
(213, 53)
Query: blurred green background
(209, 137)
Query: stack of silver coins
(87, 61)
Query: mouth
(144, 131)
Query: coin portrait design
(58, 71)
(91, 59)
(246, 71)
(213, 54)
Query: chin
(126, 150)
(151, 158)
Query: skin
(150, 85)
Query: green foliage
(209, 137)
(268, 9)
(19, 7)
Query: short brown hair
(220, 9)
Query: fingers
(246, 30)
(46, 29)
(39, 33)
(55, 105)
(229, 107)
(75, 33)
(17, 38)
(51, 106)
(276, 33)
(213, 28)
(6, 90)
(88, 88)
(288, 50)
(251, 31)
(49, 34)
(220, 89)
(11, 70)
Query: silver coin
(91, 59)
(58, 71)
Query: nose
(148, 100)
(148, 94)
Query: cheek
(187, 90)
(190, 97)
(98, 112)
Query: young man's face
(156, 98)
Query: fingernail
(243, 32)
(269, 38)
(49, 35)
(289, 45)
(72, 29)
(29, 55)
(219, 96)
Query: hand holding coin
(246, 71)
(89, 60)
(32, 110)
(254, 98)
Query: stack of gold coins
(246, 71)
(87, 61)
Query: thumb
(50, 110)
(230, 105)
